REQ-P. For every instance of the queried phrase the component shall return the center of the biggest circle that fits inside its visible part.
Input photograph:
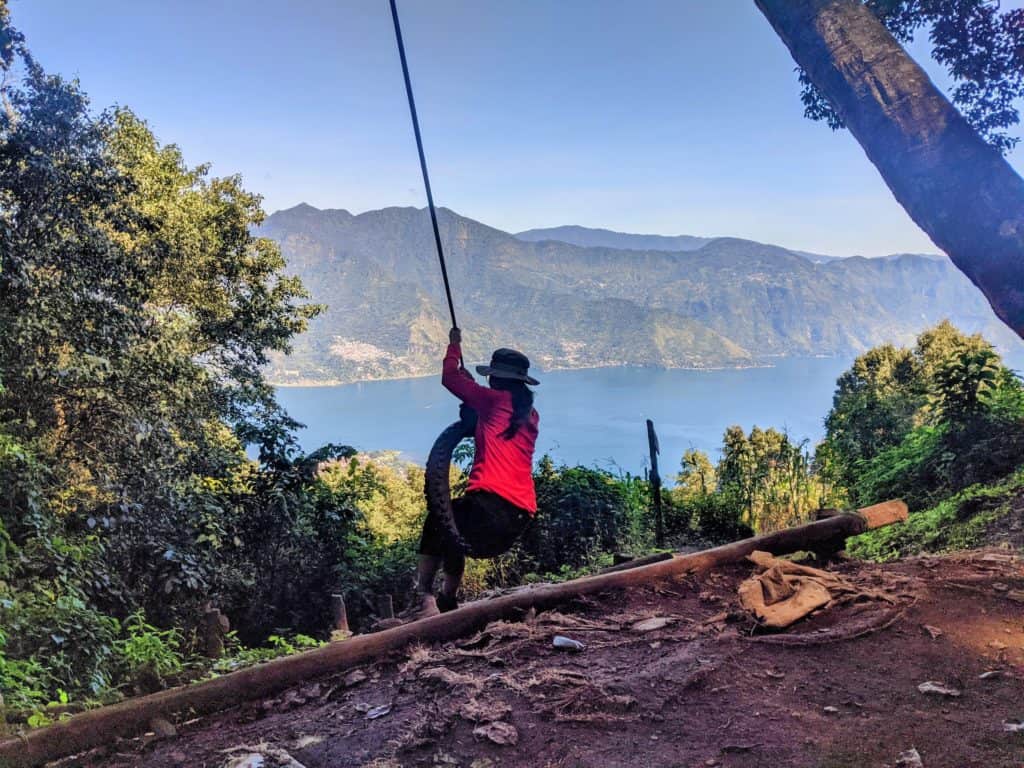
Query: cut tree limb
(955, 186)
(100, 726)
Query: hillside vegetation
(725, 302)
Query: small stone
(163, 727)
(567, 644)
(1000, 587)
(355, 677)
(830, 710)
(738, 748)
(651, 624)
(1013, 726)
(934, 632)
(375, 712)
(710, 762)
(482, 762)
(248, 760)
(936, 688)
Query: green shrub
(581, 513)
(958, 522)
(238, 656)
(146, 648)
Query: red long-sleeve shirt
(501, 466)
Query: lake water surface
(591, 417)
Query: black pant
(488, 523)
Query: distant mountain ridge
(726, 303)
(588, 237)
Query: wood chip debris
(910, 759)
(653, 623)
(498, 732)
(935, 688)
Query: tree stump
(215, 627)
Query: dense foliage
(763, 481)
(978, 43)
(924, 423)
(138, 311)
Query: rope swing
(437, 488)
(423, 160)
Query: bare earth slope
(698, 691)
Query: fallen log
(129, 718)
(637, 562)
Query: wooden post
(385, 607)
(339, 615)
(213, 634)
(655, 480)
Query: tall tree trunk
(955, 186)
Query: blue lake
(593, 417)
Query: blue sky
(655, 116)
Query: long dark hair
(522, 403)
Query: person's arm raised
(457, 379)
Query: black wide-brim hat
(508, 364)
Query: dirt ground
(837, 690)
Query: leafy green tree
(961, 420)
(138, 311)
(696, 476)
(874, 407)
(964, 385)
(770, 480)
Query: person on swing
(499, 501)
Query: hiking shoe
(424, 608)
(445, 603)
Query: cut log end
(886, 513)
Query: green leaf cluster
(924, 423)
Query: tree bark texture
(956, 187)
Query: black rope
(423, 160)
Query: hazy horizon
(933, 252)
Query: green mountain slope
(729, 302)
